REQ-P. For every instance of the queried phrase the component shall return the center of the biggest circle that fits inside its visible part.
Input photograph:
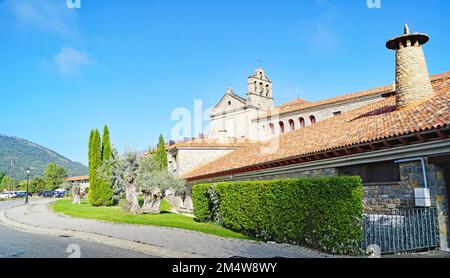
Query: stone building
(395, 137)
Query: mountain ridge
(29, 154)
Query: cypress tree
(160, 155)
(96, 162)
(105, 194)
(106, 145)
(90, 165)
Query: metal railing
(404, 230)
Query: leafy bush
(202, 210)
(141, 200)
(322, 213)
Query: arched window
(312, 119)
(302, 122)
(291, 125)
(272, 128)
(281, 127)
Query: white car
(4, 195)
(7, 195)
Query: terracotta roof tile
(204, 143)
(80, 178)
(377, 121)
(299, 104)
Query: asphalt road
(16, 244)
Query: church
(236, 121)
(395, 137)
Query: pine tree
(160, 155)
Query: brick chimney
(412, 81)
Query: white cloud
(70, 61)
(50, 16)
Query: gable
(228, 102)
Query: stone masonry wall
(380, 198)
(412, 78)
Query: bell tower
(259, 92)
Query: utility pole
(10, 176)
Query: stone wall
(188, 159)
(412, 78)
(385, 197)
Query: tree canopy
(54, 176)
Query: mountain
(26, 154)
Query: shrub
(322, 213)
(201, 202)
(141, 200)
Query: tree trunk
(132, 205)
(147, 206)
(76, 199)
(152, 202)
(156, 204)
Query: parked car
(47, 194)
(23, 194)
(4, 195)
(59, 193)
(8, 195)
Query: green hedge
(200, 200)
(322, 213)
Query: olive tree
(153, 181)
(75, 189)
(122, 171)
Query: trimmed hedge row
(322, 213)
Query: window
(291, 125)
(281, 127)
(272, 128)
(229, 103)
(380, 172)
(337, 113)
(312, 119)
(302, 122)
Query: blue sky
(131, 63)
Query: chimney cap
(393, 43)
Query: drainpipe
(424, 169)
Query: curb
(102, 239)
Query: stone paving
(38, 214)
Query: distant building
(83, 181)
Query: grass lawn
(165, 218)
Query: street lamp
(28, 181)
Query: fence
(401, 230)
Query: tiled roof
(292, 103)
(374, 122)
(211, 143)
(300, 104)
(80, 178)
